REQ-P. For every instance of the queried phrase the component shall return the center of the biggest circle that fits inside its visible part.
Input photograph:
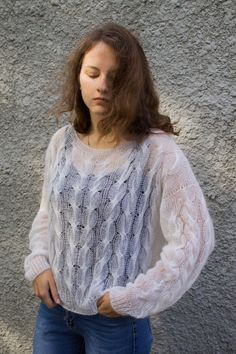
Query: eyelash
(94, 76)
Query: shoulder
(160, 140)
(58, 137)
(164, 145)
(56, 142)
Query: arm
(188, 230)
(37, 267)
(38, 260)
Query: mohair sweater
(131, 220)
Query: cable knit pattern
(130, 220)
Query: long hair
(135, 103)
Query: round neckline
(100, 151)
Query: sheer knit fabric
(131, 220)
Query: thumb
(100, 301)
(54, 292)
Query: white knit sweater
(131, 220)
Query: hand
(45, 288)
(104, 306)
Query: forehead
(101, 56)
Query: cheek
(86, 87)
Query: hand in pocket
(104, 306)
(45, 288)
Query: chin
(99, 111)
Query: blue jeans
(59, 331)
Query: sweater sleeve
(188, 231)
(37, 261)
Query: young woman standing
(123, 230)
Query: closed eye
(92, 75)
(110, 78)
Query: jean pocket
(58, 309)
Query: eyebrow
(95, 68)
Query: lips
(101, 99)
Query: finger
(105, 309)
(103, 298)
(47, 300)
(37, 290)
(101, 309)
(99, 302)
(54, 292)
(109, 314)
(44, 295)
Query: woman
(123, 230)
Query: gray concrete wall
(190, 48)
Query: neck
(95, 136)
(94, 125)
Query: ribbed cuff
(124, 301)
(38, 265)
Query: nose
(102, 85)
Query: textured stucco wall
(190, 48)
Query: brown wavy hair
(135, 106)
